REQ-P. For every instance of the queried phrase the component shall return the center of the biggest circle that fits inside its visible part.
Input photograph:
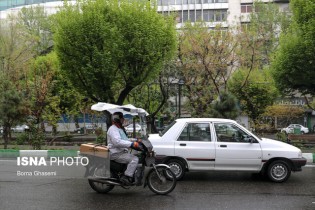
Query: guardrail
(305, 140)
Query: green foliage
(225, 107)
(259, 38)
(206, 60)
(100, 139)
(255, 93)
(36, 26)
(11, 102)
(107, 48)
(282, 136)
(293, 66)
(37, 137)
(41, 82)
(22, 138)
(100, 136)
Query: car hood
(154, 137)
(277, 144)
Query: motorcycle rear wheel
(100, 187)
(161, 183)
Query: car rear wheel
(279, 171)
(177, 167)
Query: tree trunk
(6, 136)
(153, 126)
(123, 94)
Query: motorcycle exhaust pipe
(104, 181)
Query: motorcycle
(104, 177)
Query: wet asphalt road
(211, 190)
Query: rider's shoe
(126, 180)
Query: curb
(10, 153)
(310, 157)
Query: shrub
(22, 138)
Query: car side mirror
(252, 140)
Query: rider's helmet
(117, 116)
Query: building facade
(225, 12)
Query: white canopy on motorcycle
(112, 108)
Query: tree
(258, 39)
(21, 40)
(12, 107)
(36, 26)
(206, 61)
(107, 48)
(15, 53)
(258, 92)
(154, 95)
(293, 65)
(226, 106)
(284, 114)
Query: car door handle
(223, 145)
(182, 144)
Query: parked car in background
(20, 128)
(292, 127)
(129, 128)
(88, 127)
(212, 144)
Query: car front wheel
(177, 167)
(279, 171)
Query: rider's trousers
(127, 158)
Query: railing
(306, 140)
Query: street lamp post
(180, 83)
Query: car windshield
(166, 129)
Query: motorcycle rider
(118, 144)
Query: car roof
(205, 120)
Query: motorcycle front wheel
(161, 181)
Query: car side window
(196, 132)
(227, 132)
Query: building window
(246, 8)
(192, 15)
(185, 16)
(171, 2)
(215, 1)
(214, 15)
(178, 2)
(198, 15)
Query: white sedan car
(290, 128)
(20, 128)
(211, 144)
